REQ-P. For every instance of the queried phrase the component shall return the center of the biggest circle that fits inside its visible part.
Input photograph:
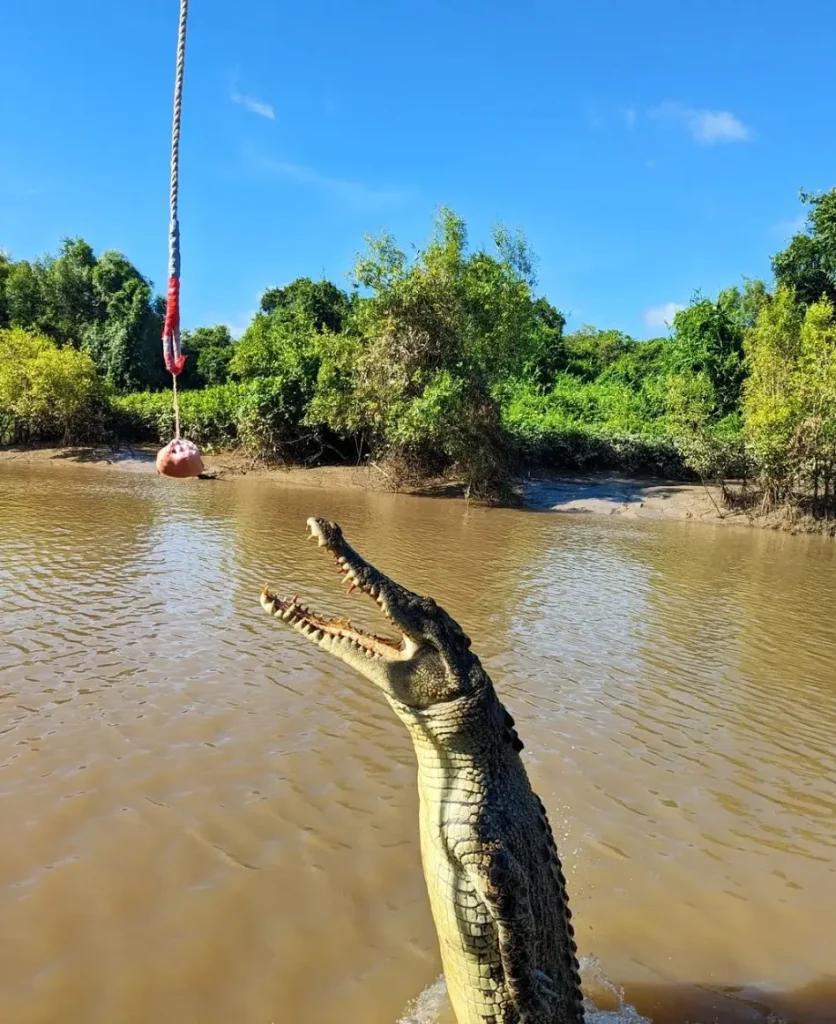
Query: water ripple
(204, 806)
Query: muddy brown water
(205, 819)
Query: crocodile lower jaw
(332, 633)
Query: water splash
(427, 1007)
(604, 1002)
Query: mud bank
(593, 494)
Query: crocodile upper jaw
(339, 636)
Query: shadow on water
(108, 453)
(677, 1004)
(104, 454)
(644, 1003)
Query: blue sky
(646, 149)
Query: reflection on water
(212, 821)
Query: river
(206, 819)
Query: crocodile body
(493, 875)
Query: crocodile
(495, 882)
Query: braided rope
(174, 239)
(174, 358)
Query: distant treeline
(448, 362)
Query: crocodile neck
(470, 732)
(465, 753)
(474, 792)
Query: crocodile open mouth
(334, 634)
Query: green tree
(430, 341)
(284, 347)
(276, 343)
(283, 339)
(589, 351)
(814, 442)
(704, 376)
(54, 295)
(338, 400)
(125, 342)
(46, 392)
(70, 305)
(24, 295)
(748, 303)
(322, 303)
(209, 351)
(808, 264)
(5, 270)
(546, 355)
(770, 406)
(103, 306)
(708, 342)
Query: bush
(410, 376)
(269, 416)
(789, 405)
(207, 417)
(47, 393)
(571, 402)
(588, 449)
(588, 425)
(261, 415)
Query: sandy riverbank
(593, 494)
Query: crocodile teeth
(329, 633)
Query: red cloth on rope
(174, 358)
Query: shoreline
(609, 494)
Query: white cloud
(253, 105)
(658, 318)
(707, 127)
(353, 193)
